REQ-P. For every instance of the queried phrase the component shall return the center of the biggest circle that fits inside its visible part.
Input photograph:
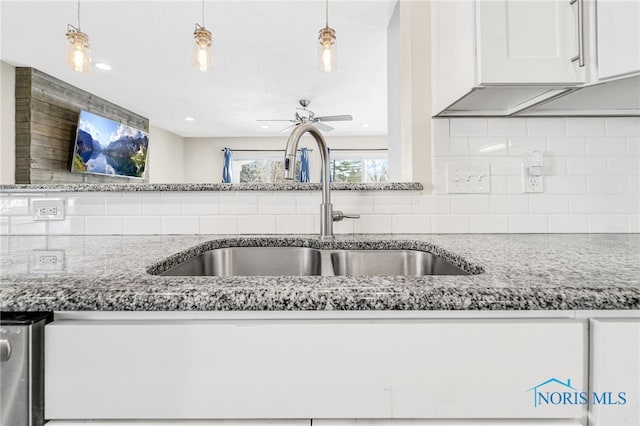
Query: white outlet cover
(469, 177)
(55, 205)
(47, 261)
(531, 184)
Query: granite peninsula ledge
(207, 187)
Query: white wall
(203, 156)
(7, 123)
(166, 156)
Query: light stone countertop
(521, 272)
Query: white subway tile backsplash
(238, 204)
(25, 225)
(468, 127)
(555, 166)
(4, 225)
(481, 146)
(633, 185)
(71, 225)
(342, 227)
(156, 205)
(123, 206)
(430, 204)
(219, 224)
(524, 146)
(488, 224)
(546, 127)
(14, 206)
(515, 185)
(623, 126)
(606, 146)
(256, 224)
(624, 203)
(592, 126)
(180, 225)
(358, 204)
(528, 223)
(459, 146)
(507, 126)
(440, 140)
(410, 224)
(276, 204)
(142, 225)
(586, 165)
(540, 203)
(198, 204)
(608, 223)
(509, 204)
(375, 224)
(506, 166)
(623, 166)
(470, 203)
(588, 203)
(569, 146)
(449, 224)
(104, 225)
(607, 184)
(566, 184)
(295, 224)
(634, 223)
(81, 205)
(308, 204)
(568, 223)
(499, 185)
(633, 146)
(397, 204)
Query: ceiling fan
(304, 115)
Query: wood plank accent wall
(47, 111)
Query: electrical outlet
(531, 183)
(48, 261)
(468, 177)
(49, 209)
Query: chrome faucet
(327, 215)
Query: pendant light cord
(78, 15)
(203, 13)
(326, 11)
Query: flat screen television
(106, 147)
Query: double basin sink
(305, 261)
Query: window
(359, 166)
(262, 167)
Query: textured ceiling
(264, 59)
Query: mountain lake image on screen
(106, 147)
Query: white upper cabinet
(524, 42)
(618, 37)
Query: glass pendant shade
(327, 49)
(78, 50)
(202, 48)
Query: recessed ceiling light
(366, 125)
(264, 126)
(104, 67)
(189, 119)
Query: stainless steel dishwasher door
(21, 368)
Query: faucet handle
(338, 216)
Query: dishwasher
(22, 368)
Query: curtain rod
(310, 150)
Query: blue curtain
(226, 167)
(303, 176)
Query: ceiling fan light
(77, 50)
(203, 41)
(327, 49)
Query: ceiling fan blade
(335, 118)
(286, 129)
(275, 120)
(323, 127)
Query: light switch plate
(469, 177)
(48, 209)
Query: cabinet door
(302, 369)
(615, 368)
(618, 32)
(527, 42)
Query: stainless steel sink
(296, 261)
(244, 261)
(391, 262)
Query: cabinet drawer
(309, 369)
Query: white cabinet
(497, 56)
(618, 37)
(615, 369)
(310, 369)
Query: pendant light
(202, 46)
(78, 50)
(327, 45)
